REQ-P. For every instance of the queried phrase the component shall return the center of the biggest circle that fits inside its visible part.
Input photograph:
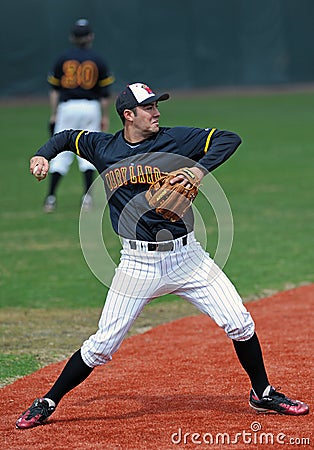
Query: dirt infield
(178, 386)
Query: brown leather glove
(173, 200)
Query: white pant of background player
(75, 115)
(187, 271)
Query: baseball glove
(173, 200)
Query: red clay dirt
(178, 386)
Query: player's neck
(135, 137)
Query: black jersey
(129, 169)
(80, 73)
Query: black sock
(250, 356)
(88, 179)
(74, 373)
(55, 178)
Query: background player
(79, 99)
(158, 256)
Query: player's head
(136, 94)
(81, 33)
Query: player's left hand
(39, 167)
(199, 174)
(173, 193)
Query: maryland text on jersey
(133, 174)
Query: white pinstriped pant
(187, 271)
(76, 115)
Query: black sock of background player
(55, 178)
(250, 356)
(74, 373)
(88, 178)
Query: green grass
(12, 366)
(268, 182)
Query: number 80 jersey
(80, 73)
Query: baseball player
(79, 98)
(159, 256)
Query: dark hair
(82, 41)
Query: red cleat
(275, 402)
(35, 415)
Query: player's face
(146, 119)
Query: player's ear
(128, 115)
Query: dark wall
(177, 44)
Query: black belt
(159, 246)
